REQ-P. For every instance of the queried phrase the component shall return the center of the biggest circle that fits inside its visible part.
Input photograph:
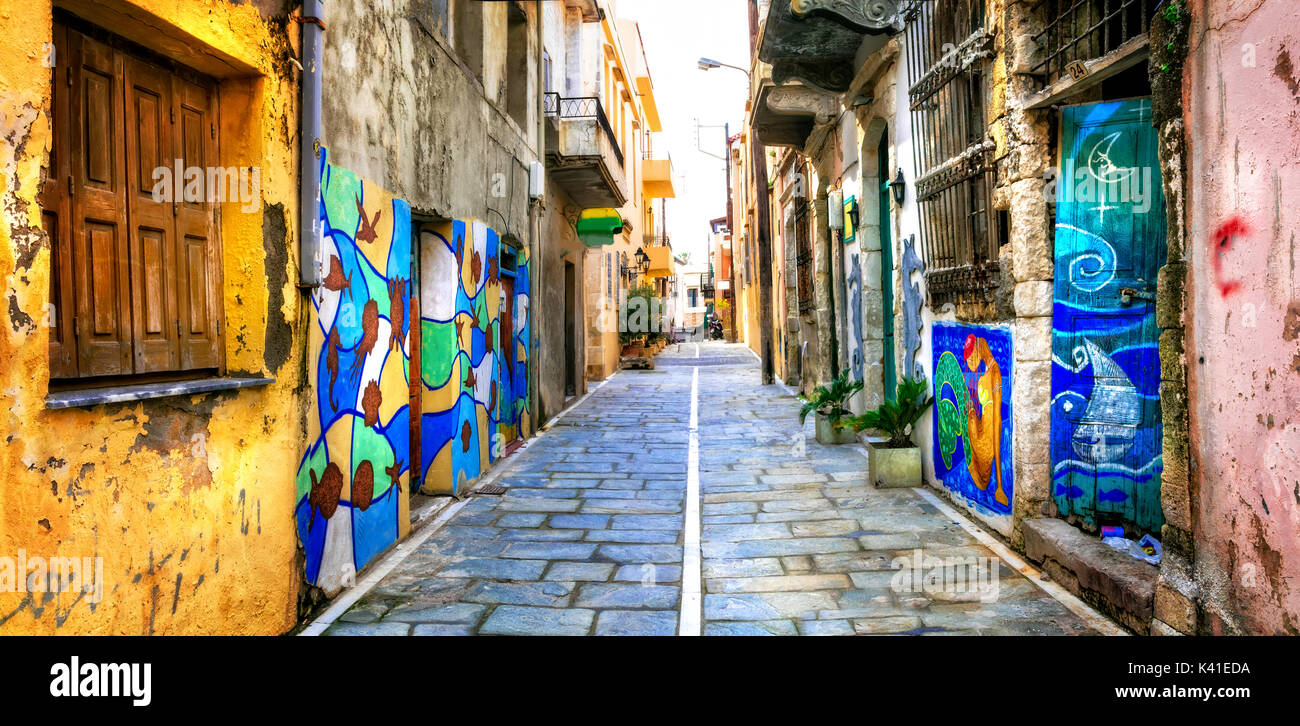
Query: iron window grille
(948, 51)
(803, 259)
(1080, 30)
(580, 108)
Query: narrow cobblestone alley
(590, 534)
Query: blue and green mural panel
(353, 478)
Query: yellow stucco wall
(189, 501)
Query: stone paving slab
(833, 568)
(588, 538)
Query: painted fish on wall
(358, 360)
(973, 419)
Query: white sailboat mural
(1106, 430)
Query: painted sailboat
(1106, 430)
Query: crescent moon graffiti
(1101, 167)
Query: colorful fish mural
(358, 361)
(972, 419)
(474, 355)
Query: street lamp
(642, 261)
(709, 64)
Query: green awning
(597, 227)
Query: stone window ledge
(142, 391)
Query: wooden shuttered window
(135, 281)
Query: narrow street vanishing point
(680, 501)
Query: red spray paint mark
(1222, 242)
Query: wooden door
(1110, 243)
(890, 375)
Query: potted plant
(631, 345)
(896, 462)
(830, 401)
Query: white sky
(676, 33)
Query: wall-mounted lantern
(642, 261)
(850, 216)
(899, 187)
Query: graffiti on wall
(972, 420)
(1109, 246)
(352, 479)
(1221, 242)
(475, 330)
(855, 315)
(912, 301)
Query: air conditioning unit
(536, 180)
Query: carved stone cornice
(864, 16)
(803, 101)
(830, 76)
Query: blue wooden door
(1110, 243)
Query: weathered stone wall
(403, 109)
(1023, 139)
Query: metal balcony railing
(706, 282)
(582, 107)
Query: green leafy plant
(896, 418)
(830, 400)
(636, 311)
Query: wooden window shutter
(56, 218)
(199, 273)
(154, 284)
(135, 282)
(99, 229)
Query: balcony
(661, 262)
(582, 152)
(812, 46)
(657, 178)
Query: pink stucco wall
(1242, 114)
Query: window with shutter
(134, 278)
